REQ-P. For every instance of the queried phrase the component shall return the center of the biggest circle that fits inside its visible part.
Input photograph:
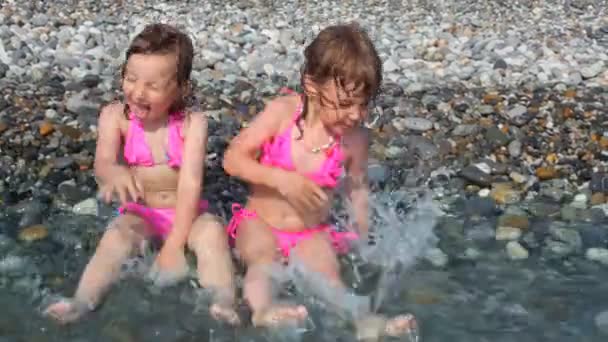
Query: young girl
(292, 156)
(164, 148)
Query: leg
(257, 247)
(123, 236)
(317, 254)
(209, 241)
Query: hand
(304, 194)
(169, 267)
(122, 183)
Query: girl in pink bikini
(164, 148)
(293, 155)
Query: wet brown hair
(343, 54)
(164, 39)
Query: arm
(190, 182)
(108, 142)
(109, 174)
(357, 187)
(240, 158)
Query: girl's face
(150, 85)
(342, 108)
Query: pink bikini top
(277, 152)
(138, 153)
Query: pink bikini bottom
(288, 240)
(159, 219)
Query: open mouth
(139, 109)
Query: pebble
(86, 207)
(46, 128)
(437, 257)
(508, 233)
(546, 173)
(516, 251)
(597, 254)
(505, 193)
(417, 124)
(601, 322)
(33, 233)
(514, 148)
(515, 221)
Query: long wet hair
(342, 54)
(163, 39)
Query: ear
(311, 88)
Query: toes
(401, 325)
(225, 314)
(277, 315)
(58, 311)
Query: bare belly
(159, 185)
(277, 212)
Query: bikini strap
(238, 214)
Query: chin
(342, 129)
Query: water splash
(402, 224)
(403, 234)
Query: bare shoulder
(280, 110)
(112, 114)
(196, 121)
(113, 108)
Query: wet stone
(475, 175)
(543, 209)
(377, 173)
(563, 241)
(505, 193)
(63, 162)
(601, 322)
(422, 147)
(516, 251)
(515, 221)
(480, 206)
(597, 254)
(507, 233)
(465, 130)
(599, 182)
(33, 233)
(495, 137)
(417, 124)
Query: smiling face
(150, 85)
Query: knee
(120, 231)
(207, 231)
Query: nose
(136, 91)
(140, 92)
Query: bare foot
(225, 313)
(278, 314)
(373, 327)
(66, 310)
(402, 325)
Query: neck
(155, 123)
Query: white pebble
(507, 233)
(597, 254)
(484, 193)
(516, 251)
